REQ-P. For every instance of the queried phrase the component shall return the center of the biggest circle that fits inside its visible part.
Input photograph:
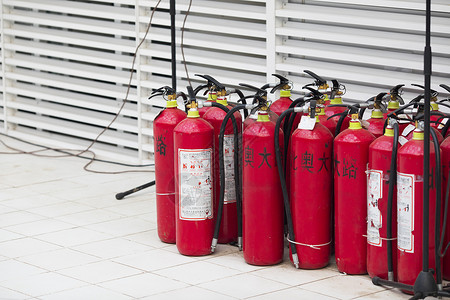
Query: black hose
(293, 104)
(340, 122)
(437, 223)
(199, 88)
(392, 182)
(222, 176)
(283, 185)
(242, 99)
(287, 132)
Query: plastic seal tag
(408, 129)
(402, 140)
(442, 123)
(307, 123)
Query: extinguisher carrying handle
(287, 207)
(319, 80)
(445, 87)
(395, 94)
(283, 82)
(434, 93)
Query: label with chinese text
(195, 184)
(374, 218)
(405, 212)
(228, 157)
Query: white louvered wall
(369, 46)
(66, 64)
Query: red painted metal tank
(351, 155)
(194, 189)
(378, 175)
(163, 127)
(311, 194)
(262, 202)
(409, 208)
(215, 116)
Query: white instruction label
(307, 123)
(374, 218)
(402, 140)
(405, 212)
(228, 157)
(408, 129)
(195, 183)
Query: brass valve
(193, 104)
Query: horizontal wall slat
(65, 127)
(363, 18)
(75, 84)
(72, 38)
(70, 98)
(77, 8)
(69, 68)
(70, 53)
(72, 113)
(75, 23)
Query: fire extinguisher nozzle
(214, 244)
(391, 276)
(240, 243)
(295, 260)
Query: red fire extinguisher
(262, 203)
(434, 116)
(335, 106)
(282, 103)
(376, 121)
(259, 97)
(395, 100)
(311, 190)
(321, 84)
(194, 188)
(445, 162)
(381, 205)
(163, 127)
(215, 116)
(351, 155)
(409, 207)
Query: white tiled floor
(63, 235)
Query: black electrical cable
(222, 166)
(66, 151)
(392, 182)
(287, 207)
(437, 223)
